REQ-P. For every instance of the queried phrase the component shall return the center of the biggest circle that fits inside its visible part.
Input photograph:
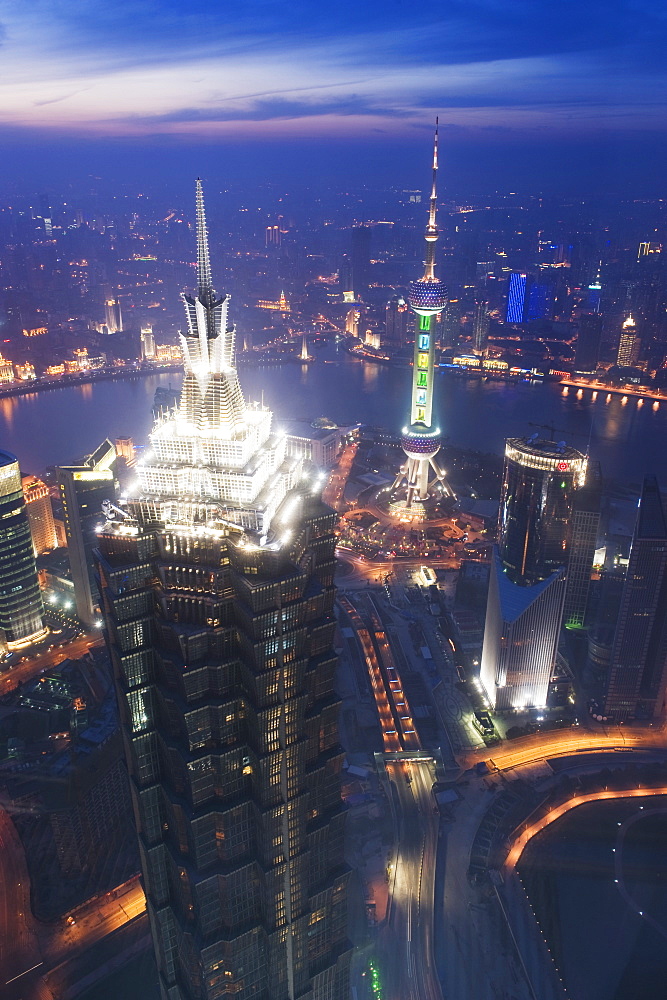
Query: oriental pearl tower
(420, 440)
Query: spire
(432, 229)
(204, 281)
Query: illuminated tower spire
(431, 236)
(427, 297)
(204, 280)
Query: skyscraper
(520, 638)
(217, 583)
(147, 343)
(113, 316)
(587, 351)
(40, 514)
(83, 490)
(21, 609)
(638, 674)
(629, 344)
(480, 326)
(428, 297)
(397, 322)
(582, 542)
(528, 583)
(517, 287)
(360, 260)
(539, 482)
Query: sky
(572, 87)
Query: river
(59, 426)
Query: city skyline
(333, 547)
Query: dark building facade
(638, 673)
(583, 535)
(83, 489)
(587, 350)
(218, 594)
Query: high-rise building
(21, 609)
(147, 343)
(480, 326)
(528, 582)
(539, 482)
(517, 287)
(450, 325)
(83, 489)
(520, 638)
(595, 292)
(587, 351)
(427, 297)
(217, 583)
(40, 515)
(360, 260)
(582, 542)
(398, 318)
(629, 344)
(637, 677)
(113, 317)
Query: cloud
(162, 67)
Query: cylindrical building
(539, 481)
(21, 608)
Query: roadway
(405, 944)
(34, 666)
(33, 955)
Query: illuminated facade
(520, 639)
(40, 515)
(217, 583)
(21, 609)
(421, 438)
(629, 344)
(147, 343)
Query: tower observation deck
(420, 440)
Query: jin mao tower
(427, 297)
(216, 577)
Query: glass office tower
(21, 609)
(217, 588)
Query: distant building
(360, 260)
(6, 370)
(113, 317)
(40, 515)
(398, 319)
(517, 285)
(83, 488)
(587, 350)
(450, 326)
(319, 445)
(480, 326)
(21, 609)
(147, 343)
(583, 535)
(637, 676)
(629, 344)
